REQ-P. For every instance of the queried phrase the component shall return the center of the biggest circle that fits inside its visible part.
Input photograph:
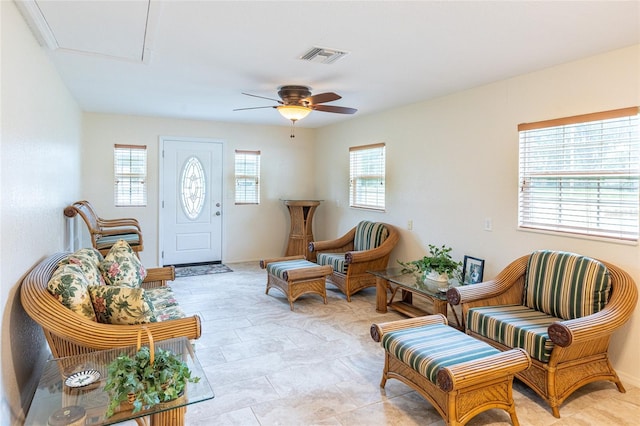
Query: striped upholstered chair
(562, 308)
(366, 247)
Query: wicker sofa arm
(158, 277)
(616, 312)
(342, 244)
(376, 253)
(377, 331)
(498, 291)
(119, 223)
(472, 373)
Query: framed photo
(472, 270)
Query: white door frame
(161, 141)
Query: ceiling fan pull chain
(293, 123)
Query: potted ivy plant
(437, 266)
(146, 379)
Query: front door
(190, 201)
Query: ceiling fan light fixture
(293, 112)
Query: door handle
(218, 213)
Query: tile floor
(319, 366)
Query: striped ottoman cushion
(426, 349)
(336, 260)
(515, 326)
(277, 269)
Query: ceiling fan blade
(322, 98)
(242, 109)
(263, 97)
(333, 108)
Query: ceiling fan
(296, 102)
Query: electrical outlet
(410, 225)
(488, 224)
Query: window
(247, 177)
(580, 175)
(130, 167)
(367, 176)
(193, 188)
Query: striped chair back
(369, 235)
(566, 285)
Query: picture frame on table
(472, 270)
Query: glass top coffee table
(389, 281)
(71, 390)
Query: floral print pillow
(70, 286)
(121, 305)
(121, 267)
(86, 260)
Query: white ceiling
(193, 59)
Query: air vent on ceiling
(323, 55)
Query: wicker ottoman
(460, 376)
(295, 276)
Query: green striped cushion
(515, 326)
(426, 349)
(279, 268)
(369, 235)
(110, 240)
(566, 285)
(336, 260)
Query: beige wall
(250, 232)
(453, 161)
(40, 156)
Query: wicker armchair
(355, 253)
(104, 233)
(69, 333)
(578, 346)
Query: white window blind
(130, 171)
(580, 174)
(247, 165)
(367, 176)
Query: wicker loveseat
(562, 308)
(366, 247)
(70, 333)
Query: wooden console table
(301, 233)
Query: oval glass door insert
(192, 188)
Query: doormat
(206, 269)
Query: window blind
(247, 175)
(580, 174)
(130, 172)
(367, 176)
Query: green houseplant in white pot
(438, 266)
(145, 379)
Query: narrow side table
(301, 233)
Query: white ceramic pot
(434, 276)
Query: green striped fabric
(426, 349)
(369, 235)
(566, 285)
(336, 260)
(110, 240)
(515, 326)
(279, 268)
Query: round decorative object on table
(73, 415)
(82, 378)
